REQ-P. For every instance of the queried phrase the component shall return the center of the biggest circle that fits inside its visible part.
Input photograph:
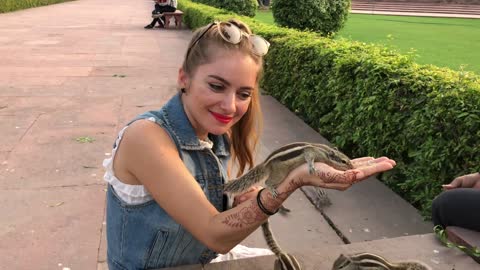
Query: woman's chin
(218, 132)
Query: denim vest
(144, 236)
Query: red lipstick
(222, 118)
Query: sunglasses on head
(232, 34)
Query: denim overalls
(144, 236)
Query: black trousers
(160, 9)
(457, 207)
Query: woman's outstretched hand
(328, 177)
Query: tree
(323, 16)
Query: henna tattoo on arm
(246, 216)
(273, 203)
(252, 214)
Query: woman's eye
(216, 87)
(245, 95)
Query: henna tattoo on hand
(347, 177)
(351, 176)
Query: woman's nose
(228, 103)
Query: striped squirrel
(369, 261)
(283, 160)
(274, 170)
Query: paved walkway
(71, 70)
(77, 72)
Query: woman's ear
(182, 79)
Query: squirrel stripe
(284, 150)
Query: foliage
(242, 7)
(323, 16)
(371, 101)
(85, 139)
(441, 234)
(12, 5)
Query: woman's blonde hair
(244, 135)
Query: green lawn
(12, 5)
(444, 42)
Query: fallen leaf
(57, 204)
(85, 139)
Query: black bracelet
(262, 207)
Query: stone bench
(177, 16)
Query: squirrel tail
(271, 241)
(284, 260)
(253, 176)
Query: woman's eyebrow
(220, 79)
(228, 83)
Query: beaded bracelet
(262, 207)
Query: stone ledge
(464, 237)
(425, 248)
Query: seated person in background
(162, 6)
(460, 204)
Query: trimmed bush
(323, 16)
(242, 7)
(371, 101)
(12, 5)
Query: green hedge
(242, 7)
(12, 5)
(368, 100)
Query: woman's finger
(373, 162)
(336, 186)
(250, 193)
(375, 168)
(361, 160)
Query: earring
(183, 90)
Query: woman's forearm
(234, 225)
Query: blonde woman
(165, 201)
